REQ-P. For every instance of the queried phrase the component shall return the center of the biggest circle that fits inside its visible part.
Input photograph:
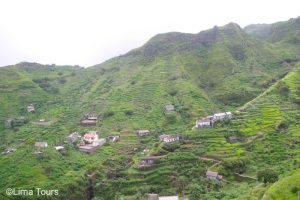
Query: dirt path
(245, 177)
(210, 159)
(214, 165)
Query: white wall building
(169, 138)
(220, 116)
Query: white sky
(88, 32)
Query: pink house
(91, 137)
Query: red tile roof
(90, 135)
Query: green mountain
(284, 35)
(252, 72)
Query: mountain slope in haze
(284, 35)
(220, 69)
(287, 31)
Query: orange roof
(90, 135)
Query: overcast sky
(88, 32)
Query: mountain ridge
(217, 70)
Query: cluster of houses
(209, 121)
(91, 141)
(88, 143)
(151, 160)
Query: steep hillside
(271, 120)
(218, 69)
(287, 188)
(221, 69)
(268, 135)
(218, 60)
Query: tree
(196, 192)
(238, 165)
(180, 183)
(283, 88)
(62, 80)
(267, 176)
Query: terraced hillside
(268, 131)
(221, 69)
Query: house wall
(201, 124)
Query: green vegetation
(221, 69)
(267, 176)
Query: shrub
(108, 114)
(53, 90)
(171, 118)
(62, 80)
(282, 125)
(128, 112)
(172, 92)
(171, 147)
(294, 189)
(19, 122)
(173, 78)
(283, 88)
(267, 176)
(238, 166)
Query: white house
(168, 138)
(168, 198)
(157, 197)
(169, 108)
(213, 175)
(30, 108)
(205, 122)
(220, 116)
(41, 144)
(90, 117)
(142, 132)
(58, 148)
